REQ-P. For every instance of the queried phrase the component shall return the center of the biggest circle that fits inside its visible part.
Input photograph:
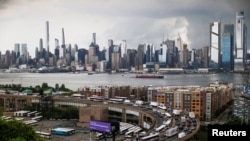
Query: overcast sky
(137, 21)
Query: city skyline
(137, 23)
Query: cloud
(141, 21)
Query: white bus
(160, 128)
(96, 98)
(125, 128)
(130, 131)
(31, 122)
(31, 114)
(37, 114)
(37, 118)
(21, 113)
(44, 134)
(116, 100)
(150, 136)
(6, 118)
(167, 123)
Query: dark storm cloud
(2, 3)
(139, 21)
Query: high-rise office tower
(215, 45)
(123, 48)
(240, 49)
(47, 39)
(150, 51)
(140, 56)
(185, 56)
(172, 53)
(41, 48)
(124, 63)
(17, 49)
(63, 37)
(205, 56)
(23, 49)
(57, 43)
(163, 55)
(227, 47)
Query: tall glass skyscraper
(227, 47)
(215, 45)
(240, 50)
(226, 52)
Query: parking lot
(81, 134)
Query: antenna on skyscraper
(163, 38)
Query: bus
(121, 97)
(31, 122)
(6, 118)
(19, 119)
(160, 128)
(37, 118)
(137, 130)
(21, 113)
(131, 130)
(31, 114)
(116, 100)
(44, 134)
(37, 114)
(125, 128)
(63, 131)
(150, 136)
(167, 123)
(96, 98)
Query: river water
(75, 81)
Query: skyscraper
(240, 49)
(227, 47)
(63, 37)
(215, 45)
(47, 40)
(17, 49)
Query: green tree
(17, 131)
(57, 86)
(44, 85)
(62, 87)
(17, 139)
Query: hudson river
(79, 80)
